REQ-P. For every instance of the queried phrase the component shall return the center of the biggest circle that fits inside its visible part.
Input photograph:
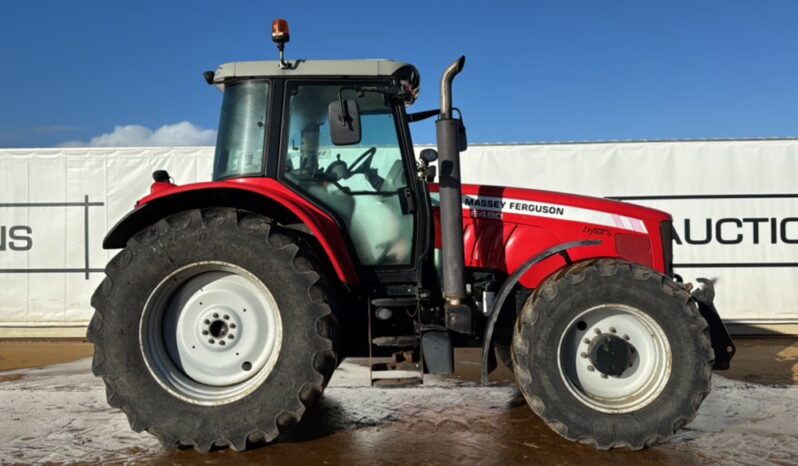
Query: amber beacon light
(280, 33)
(280, 36)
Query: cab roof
(310, 68)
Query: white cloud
(178, 134)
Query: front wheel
(612, 354)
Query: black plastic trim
(666, 230)
(507, 287)
(722, 343)
(272, 150)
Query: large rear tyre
(213, 328)
(612, 354)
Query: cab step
(404, 368)
(400, 341)
(402, 301)
(394, 360)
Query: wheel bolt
(590, 368)
(232, 325)
(603, 376)
(598, 332)
(612, 329)
(584, 355)
(207, 322)
(226, 317)
(587, 341)
(221, 342)
(211, 341)
(626, 337)
(215, 315)
(204, 332)
(230, 336)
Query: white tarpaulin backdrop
(735, 208)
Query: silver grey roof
(307, 68)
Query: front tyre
(612, 354)
(213, 328)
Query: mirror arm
(418, 116)
(347, 120)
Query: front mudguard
(721, 340)
(488, 361)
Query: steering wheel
(362, 165)
(364, 160)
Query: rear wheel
(612, 354)
(213, 328)
(210, 333)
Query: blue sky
(536, 71)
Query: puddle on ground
(58, 414)
(509, 434)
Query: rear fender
(266, 197)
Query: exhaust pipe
(446, 86)
(447, 129)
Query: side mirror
(431, 172)
(344, 119)
(428, 155)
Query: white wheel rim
(210, 333)
(639, 384)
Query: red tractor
(321, 237)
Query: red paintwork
(158, 186)
(320, 224)
(504, 244)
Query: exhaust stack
(447, 129)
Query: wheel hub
(211, 333)
(611, 354)
(220, 327)
(614, 358)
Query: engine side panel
(503, 227)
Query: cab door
(365, 185)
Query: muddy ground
(53, 411)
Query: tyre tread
(302, 261)
(560, 283)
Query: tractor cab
(278, 121)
